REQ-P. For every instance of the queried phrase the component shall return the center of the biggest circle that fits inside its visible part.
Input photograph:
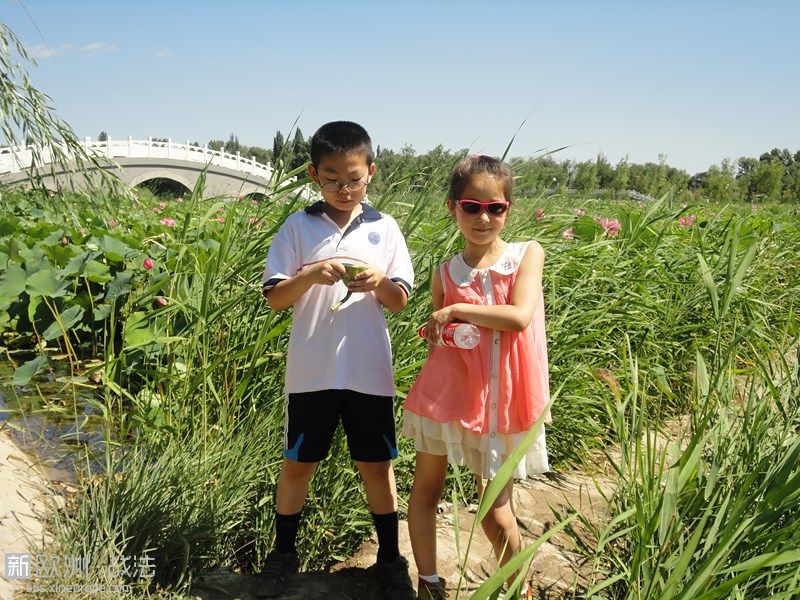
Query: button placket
(494, 385)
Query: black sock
(286, 532)
(386, 527)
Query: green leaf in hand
(352, 272)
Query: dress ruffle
(480, 453)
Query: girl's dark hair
(475, 165)
(343, 138)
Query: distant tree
(622, 174)
(746, 166)
(721, 183)
(644, 178)
(535, 175)
(765, 182)
(605, 172)
(791, 185)
(744, 175)
(585, 177)
(216, 145)
(300, 151)
(765, 176)
(102, 137)
(698, 181)
(232, 146)
(278, 145)
(662, 176)
(424, 171)
(262, 155)
(783, 157)
(677, 179)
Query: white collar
(462, 274)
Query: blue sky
(697, 81)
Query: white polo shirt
(349, 348)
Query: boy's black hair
(341, 137)
(476, 165)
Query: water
(54, 420)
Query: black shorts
(312, 418)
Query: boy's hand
(366, 281)
(327, 272)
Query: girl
(473, 407)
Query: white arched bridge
(136, 162)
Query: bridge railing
(17, 158)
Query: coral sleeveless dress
(475, 406)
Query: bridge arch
(163, 174)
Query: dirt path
(21, 505)
(555, 570)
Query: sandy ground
(557, 567)
(22, 488)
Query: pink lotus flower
(539, 214)
(580, 212)
(179, 199)
(567, 234)
(253, 220)
(611, 226)
(162, 205)
(221, 209)
(148, 263)
(687, 220)
(160, 301)
(156, 210)
(112, 223)
(166, 221)
(220, 219)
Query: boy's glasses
(473, 207)
(350, 186)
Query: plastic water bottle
(458, 335)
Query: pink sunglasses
(473, 207)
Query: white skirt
(483, 454)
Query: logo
(18, 565)
(374, 238)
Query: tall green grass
(716, 514)
(193, 391)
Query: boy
(339, 362)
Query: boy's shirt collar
(368, 213)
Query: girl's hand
(436, 322)
(367, 280)
(327, 272)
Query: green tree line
(772, 177)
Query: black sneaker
(432, 591)
(275, 575)
(393, 580)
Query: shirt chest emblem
(374, 238)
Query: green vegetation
(772, 177)
(167, 292)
